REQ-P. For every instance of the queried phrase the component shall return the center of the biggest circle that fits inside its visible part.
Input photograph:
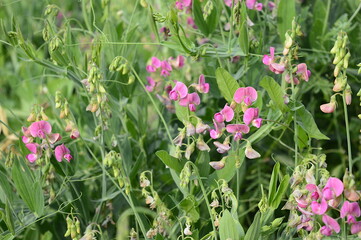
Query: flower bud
(339, 84)
(329, 107)
(288, 41)
(251, 153)
(348, 95)
(191, 130)
(218, 165)
(189, 150)
(201, 145)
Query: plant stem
(349, 153)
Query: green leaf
(319, 24)
(285, 14)
(273, 182)
(170, 161)
(228, 227)
(183, 114)
(275, 92)
(254, 230)
(306, 121)
(243, 31)
(209, 25)
(188, 205)
(280, 192)
(29, 189)
(9, 218)
(5, 185)
(202, 163)
(226, 84)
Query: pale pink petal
(302, 71)
(180, 60)
(166, 66)
(277, 68)
(53, 138)
(267, 60)
(249, 115)
(32, 157)
(328, 107)
(251, 153)
(182, 89)
(150, 68)
(250, 4)
(194, 98)
(217, 165)
(239, 95)
(40, 129)
(228, 113)
(60, 152)
(326, 231)
(257, 122)
(33, 147)
(222, 148)
(336, 187)
(233, 128)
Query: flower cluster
(341, 64)
(42, 130)
(313, 200)
(293, 73)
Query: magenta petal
(218, 117)
(32, 157)
(249, 115)
(267, 60)
(326, 231)
(257, 122)
(181, 88)
(213, 134)
(228, 113)
(319, 208)
(356, 228)
(166, 66)
(150, 68)
(335, 185)
(302, 70)
(252, 93)
(33, 147)
(194, 98)
(156, 62)
(201, 80)
(250, 4)
(277, 68)
(272, 52)
(239, 95)
(180, 60)
(233, 128)
(332, 223)
(184, 102)
(60, 152)
(40, 129)
(258, 6)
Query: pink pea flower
(178, 62)
(229, 2)
(35, 150)
(217, 132)
(331, 225)
(202, 86)
(251, 116)
(27, 138)
(222, 147)
(226, 114)
(40, 129)
(328, 107)
(151, 84)
(314, 190)
(295, 79)
(271, 5)
(191, 22)
(179, 91)
(217, 165)
(62, 152)
(181, 4)
(251, 153)
(319, 208)
(333, 188)
(237, 130)
(351, 211)
(156, 62)
(191, 101)
(269, 60)
(246, 95)
(258, 6)
(250, 4)
(74, 134)
(303, 72)
(150, 68)
(356, 228)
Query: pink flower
(179, 91)
(330, 226)
(351, 211)
(191, 101)
(229, 2)
(251, 153)
(217, 132)
(150, 68)
(258, 6)
(222, 147)
(40, 129)
(328, 107)
(226, 114)
(190, 22)
(319, 208)
(303, 72)
(245, 94)
(183, 4)
(356, 228)
(237, 130)
(156, 62)
(295, 79)
(35, 150)
(251, 116)
(74, 134)
(178, 62)
(250, 4)
(269, 60)
(151, 84)
(202, 86)
(332, 189)
(27, 138)
(271, 5)
(217, 165)
(62, 152)
(314, 190)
